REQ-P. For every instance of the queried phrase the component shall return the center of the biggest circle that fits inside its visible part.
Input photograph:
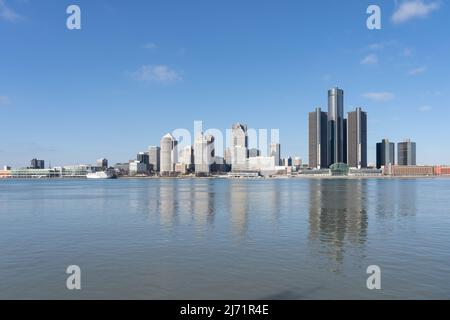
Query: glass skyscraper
(406, 153)
(336, 126)
(357, 139)
(318, 139)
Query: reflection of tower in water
(203, 208)
(338, 215)
(238, 206)
(167, 202)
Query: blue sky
(139, 69)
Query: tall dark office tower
(318, 139)
(335, 126)
(357, 139)
(385, 153)
(406, 153)
(345, 157)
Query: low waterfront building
(365, 172)
(412, 171)
(443, 170)
(5, 174)
(27, 173)
(76, 171)
(339, 169)
(243, 174)
(315, 172)
(181, 168)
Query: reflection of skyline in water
(395, 198)
(337, 214)
(218, 238)
(338, 208)
(239, 202)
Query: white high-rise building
(239, 147)
(204, 153)
(275, 151)
(187, 156)
(169, 154)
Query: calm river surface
(225, 239)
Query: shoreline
(234, 178)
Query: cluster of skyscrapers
(201, 158)
(335, 139)
(406, 153)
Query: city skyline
(116, 85)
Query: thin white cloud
(370, 59)
(425, 108)
(150, 46)
(417, 71)
(379, 96)
(383, 44)
(8, 14)
(160, 74)
(4, 100)
(408, 10)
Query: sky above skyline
(137, 70)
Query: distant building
(406, 153)
(137, 167)
(169, 154)
(239, 147)
(345, 156)
(181, 168)
(227, 156)
(405, 170)
(143, 157)
(154, 153)
(204, 154)
(252, 153)
(297, 162)
(287, 162)
(336, 140)
(5, 173)
(102, 163)
(261, 164)
(318, 139)
(187, 157)
(37, 164)
(122, 169)
(357, 139)
(385, 153)
(275, 151)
